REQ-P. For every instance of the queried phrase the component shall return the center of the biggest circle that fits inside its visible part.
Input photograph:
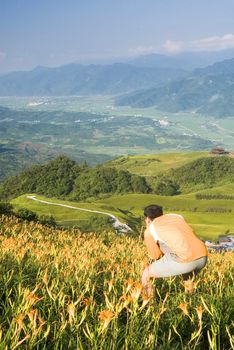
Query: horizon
(128, 60)
(56, 33)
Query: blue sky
(56, 32)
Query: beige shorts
(168, 267)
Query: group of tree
(207, 196)
(64, 178)
(201, 173)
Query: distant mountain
(77, 79)
(207, 90)
(160, 61)
(185, 60)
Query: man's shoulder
(168, 220)
(174, 215)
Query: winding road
(116, 223)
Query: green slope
(153, 164)
(127, 208)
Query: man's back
(172, 232)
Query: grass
(153, 164)
(64, 290)
(208, 225)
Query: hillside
(154, 164)
(207, 90)
(64, 178)
(189, 172)
(64, 290)
(77, 79)
(17, 157)
(203, 173)
(208, 211)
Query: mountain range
(167, 83)
(208, 90)
(77, 79)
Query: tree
(26, 214)
(139, 185)
(167, 188)
(6, 208)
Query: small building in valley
(219, 151)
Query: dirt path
(116, 223)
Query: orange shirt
(172, 232)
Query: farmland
(34, 129)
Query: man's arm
(152, 246)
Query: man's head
(151, 212)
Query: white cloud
(212, 43)
(173, 46)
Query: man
(171, 242)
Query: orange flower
(129, 285)
(32, 298)
(200, 311)
(184, 308)
(105, 317)
(87, 301)
(19, 320)
(146, 299)
(136, 291)
(189, 286)
(32, 314)
(71, 311)
(127, 299)
(110, 284)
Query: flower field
(60, 289)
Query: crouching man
(173, 246)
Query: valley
(93, 129)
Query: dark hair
(153, 211)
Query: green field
(207, 224)
(153, 164)
(96, 125)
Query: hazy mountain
(77, 79)
(207, 90)
(186, 60)
(160, 61)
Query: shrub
(167, 188)
(26, 214)
(96, 224)
(6, 208)
(48, 220)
